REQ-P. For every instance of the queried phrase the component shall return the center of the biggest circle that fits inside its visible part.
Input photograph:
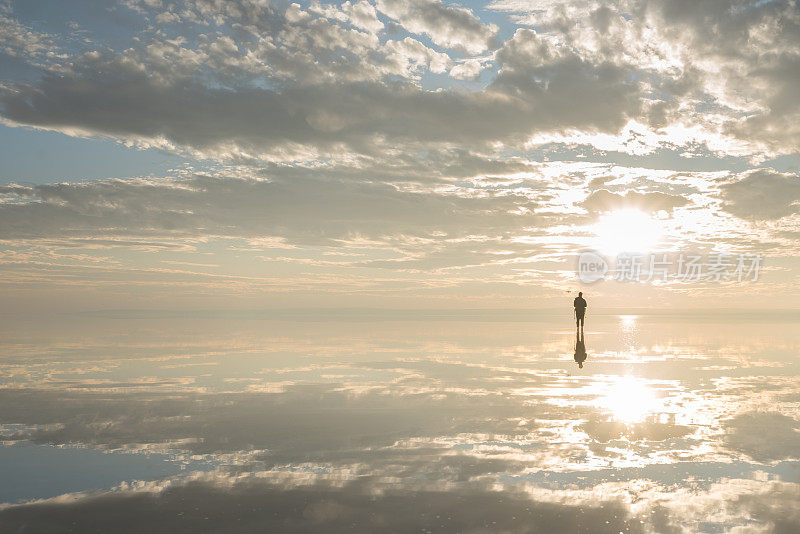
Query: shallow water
(434, 421)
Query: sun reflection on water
(629, 400)
(628, 322)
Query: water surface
(432, 421)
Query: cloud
(531, 68)
(743, 59)
(712, 74)
(363, 15)
(762, 194)
(360, 14)
(337, 99)
(306, 210)
(446, 25)
(725, 70)
(469, 69)
(533, 93)
(603, 200)
(18, 40)
(16, 190)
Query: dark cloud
(311, 211)
(19, 190)
(603, 200)
(557, 85)
(118, 97)
(754, 48)
(762, 194)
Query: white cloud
(363, 15)
(446, 25)
(469, 69)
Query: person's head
(580, 293)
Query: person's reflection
(580, 349)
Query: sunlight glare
(627, 230)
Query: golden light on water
(627, 230)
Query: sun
(628, 230)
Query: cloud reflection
(664, 421)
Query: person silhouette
(580, 309)
(580, 349)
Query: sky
(396, 154)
